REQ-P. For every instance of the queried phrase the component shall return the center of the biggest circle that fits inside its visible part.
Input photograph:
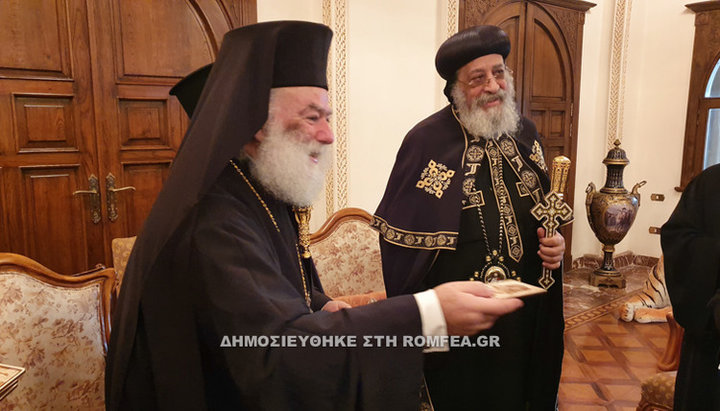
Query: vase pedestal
(607, 275)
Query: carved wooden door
(546, 39)
(87, 129)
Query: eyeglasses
(482, 79)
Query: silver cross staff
(554, 210)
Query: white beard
(283, 165)
(493, 122)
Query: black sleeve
(692, 254)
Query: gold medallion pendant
(493, 270)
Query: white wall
(391, 63)
(305, 10)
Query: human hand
(469, 308)
(552, 249)
(335, 305)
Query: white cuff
(432, 318)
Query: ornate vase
(611, 212)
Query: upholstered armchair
(56, 327)
(346, 252)
(658, 391)
(121, 248)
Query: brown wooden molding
(706, 45)
(704, 6)
(332, 223)
(105, 277)
(568, 4)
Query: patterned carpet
(606, 359)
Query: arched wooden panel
(160, 39)
(547, 60)
(511, 19)
(706, 54)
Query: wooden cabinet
(85, 115)
(546, 38)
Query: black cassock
(209, 264)
(431, 233)
(691, 246)
(229, 272)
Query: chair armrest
(671, 357)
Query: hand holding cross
(554, 210)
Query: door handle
(94, 193)
(111, 199)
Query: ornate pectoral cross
(302, 216)
(554, 210)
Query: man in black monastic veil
(457, 207)
(219, 258)
(691, 246)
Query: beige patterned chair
(346, 252)
(57, 327)
(658, 391)
(121, 248)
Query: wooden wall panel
(548, 70)
(27, 51)
(53, 217)
(144, 124)
(160, 40)
(44, 123)
(147, 179)
(511, 19)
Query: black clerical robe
(229, 272)
(431, 234)
(691, 246)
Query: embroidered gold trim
(504, 203)
(537, 156)
(435, 178)
(521, 189)
(473, 198)
(446, 240)
(523, 171)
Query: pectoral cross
(554, 210)
(302, 216)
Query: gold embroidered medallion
(435, 179)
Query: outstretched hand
(551, 250)
(469, 308)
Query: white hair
(283, 166)
(493, 122)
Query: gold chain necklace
(272, 218)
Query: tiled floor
(606, 358)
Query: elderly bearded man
(457, 207)
(219, 257)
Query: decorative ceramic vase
(611, 212)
